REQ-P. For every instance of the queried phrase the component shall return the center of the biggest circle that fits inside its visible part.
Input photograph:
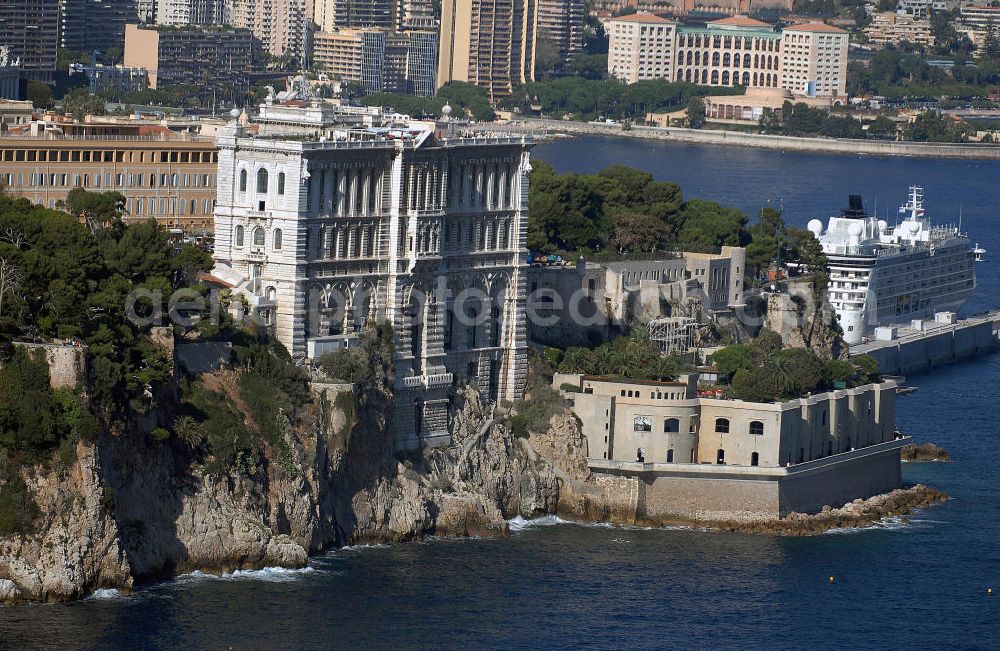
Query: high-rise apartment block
(30, 30)
(807, 59)
(560, 26)
(192, 12)
(329, 15)
(88, 25)
(189, 55)
(330, 228)
(280, 25)
(488, 43)
(380, 61)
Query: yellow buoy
(832, 579)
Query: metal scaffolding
(673, 334)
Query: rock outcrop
(924, 452)
(803, 321)
(76, 547)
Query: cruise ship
(884, 275)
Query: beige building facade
(891, 28)
(808, 59)
(169, 178)
(586, 302)
(667, 422)
(490, 44)
(641, 47)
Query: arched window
(746, 78)
(671, 425)
(243, 180)
(725, 78)
(722, 425)
(276, 240)
(262, 181)
(272, 294)
(715, 77)
(746, 60)
(754, 459)
(239, 236)
(281, 183)
(725, 59)
(756, 428)
(258, 236)
(720, 457)
(670, 455)
(715, 58)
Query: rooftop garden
(764, 371)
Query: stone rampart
(663, 492)
(67, 362)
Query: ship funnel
(855, 207)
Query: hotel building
(809, 59)
(325, 225)
(162, 175)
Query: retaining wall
(764, 141)
(661, 491)
(917, 352)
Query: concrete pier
(934, 344)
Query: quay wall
(921, 351)
(661, 492)
(764, 141)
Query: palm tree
(188, 430)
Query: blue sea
(919, 585)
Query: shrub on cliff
(17, 509)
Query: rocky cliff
(132, 509)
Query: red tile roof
(740, 21)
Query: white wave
(107, 594)
(518, 523)
(888, 523)
(270, 574)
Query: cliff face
(131, 509)
(805, 322)
(77, 546)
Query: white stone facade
(409, 225)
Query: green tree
(80, 102)
(40, 95)
(696, 113)
(95, 209)
(732, 359)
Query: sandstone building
(169, 177)
(808, 59)
(328, 219)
